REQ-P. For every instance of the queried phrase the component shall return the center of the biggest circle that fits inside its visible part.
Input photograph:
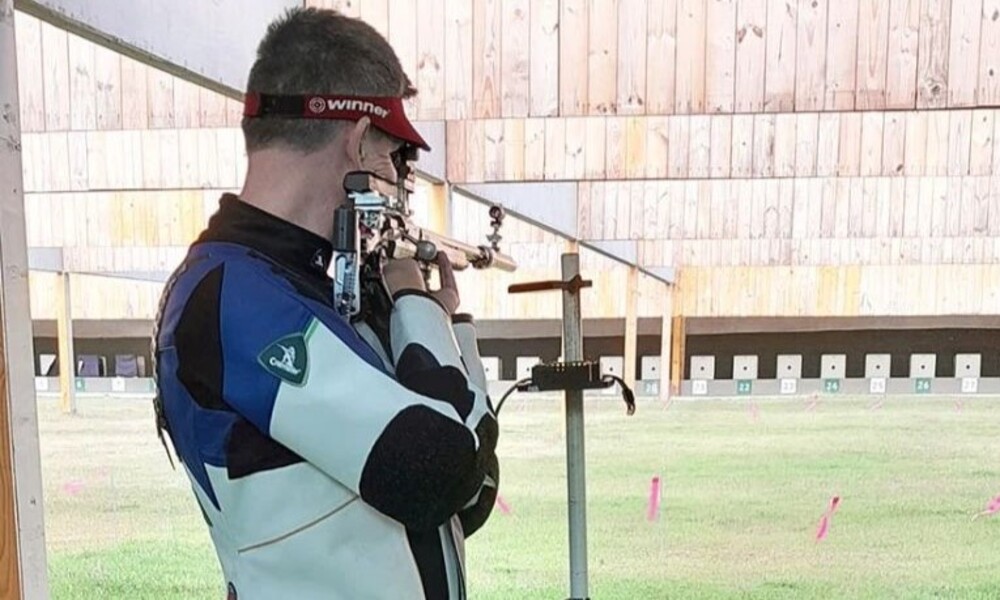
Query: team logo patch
(286, 359)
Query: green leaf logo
(286, 359)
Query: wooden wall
(835, 148)
(483, 59)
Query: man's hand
(404, 274)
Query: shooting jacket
(328, 462)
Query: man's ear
(355, 140)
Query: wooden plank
(842, 209)
(487, 20)
(720, 203)
(954, 211)
(721, 146)
(894, 144)
(657, 146)
(743, 144)
(772, 209)
(959, 142)
(211, 109)
(932, 208)
(806, 144)
(403, 37)
(458, 60)
(828, 145)
(108, 83)
(691, 35)
(78, 169)
(650, 226)
(841, 54)
(475, 141)
(751, 55)
(135, 95)
(916, 143)
(187, 112)
(758, 199)
(969, 208)
(932, 54)
(849, 159)
(615, 137)
(881, 195)
(574, 27)
(988, 90)
(983, 207)
(623, 217)
(963, 52)
(897, 210)
(810, 55)
(31, 91)
(430, 76)
(82, 88)
(938, 143)
(779, 79)
(602, 57)
(596, 136)
(763, 145)
(635, 147)
(720, 56)
(679, 146)
(785, 144)
(544, 67)
(856, 215)
(534, 149)
(699, 149)
(56, 78)
(901, 70)
(639, 226)
(160, 99)
(981, 153)
(376, 14)
(631, 326)
(873, 47)
(513, 150)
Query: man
(327, 463)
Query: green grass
(741, 501)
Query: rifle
(375, 225)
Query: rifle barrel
(462, 254)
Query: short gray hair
(319, 51)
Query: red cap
(385, 112)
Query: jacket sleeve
(475, 514)
(415, 445)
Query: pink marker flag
(653, 509)
(991, 509)
(824, 522)
(813, 401)
(958, 404)
(754, 411)
(502, 505)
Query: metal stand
(575, 455)
(576, 466)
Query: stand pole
(575, 455)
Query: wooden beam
(67, 354)
(677, 352)
(631, 325)
(22, 531)
(439, 209)
(666, 342)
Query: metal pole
(575, 455)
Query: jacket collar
(240, 223)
